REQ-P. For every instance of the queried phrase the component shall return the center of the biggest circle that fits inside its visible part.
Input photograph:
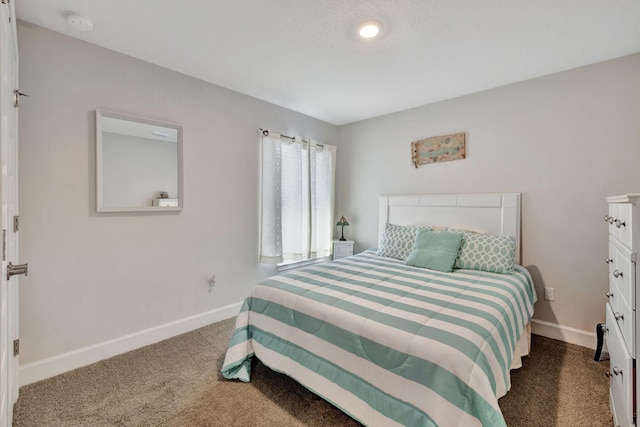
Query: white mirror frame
(100, 207)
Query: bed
(395, 344)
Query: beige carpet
(177, 383)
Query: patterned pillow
(487, 252)
(397, 241)
(460, 230)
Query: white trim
(302, 263)
(564, 333)
(46, 368)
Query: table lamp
(342, 223)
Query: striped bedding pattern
(389, 344)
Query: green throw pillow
(487, 252)
(436, 250)
(397, 241)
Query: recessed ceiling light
(82, 23)
(369, 29)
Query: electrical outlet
(212, 283)
(550, 294)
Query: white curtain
(297, 192)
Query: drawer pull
(609, 294)
(608, 260)
(618, 316)
(620, 223)
(617, 273)
(610, 220)
(606, 218)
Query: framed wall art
(438, 149)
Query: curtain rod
(292, 138)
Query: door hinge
(16, 223)
(16, 97)
(4, 245)
(16, 347)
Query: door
(9, 204)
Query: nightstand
(342, 248)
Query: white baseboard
(564, 333)
(47, 368)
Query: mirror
(138, 164)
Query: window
(297, 192)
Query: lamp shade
(342, 221)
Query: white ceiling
(304, 54)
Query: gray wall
(95, 277)
(565, 141)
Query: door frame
(9, 360)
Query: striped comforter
(387, 343)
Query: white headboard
(494, 213)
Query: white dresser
(621, 319)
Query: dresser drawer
(623, 316)
(625, 319)
(621, 374)
(622, 271)
(621, 223)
